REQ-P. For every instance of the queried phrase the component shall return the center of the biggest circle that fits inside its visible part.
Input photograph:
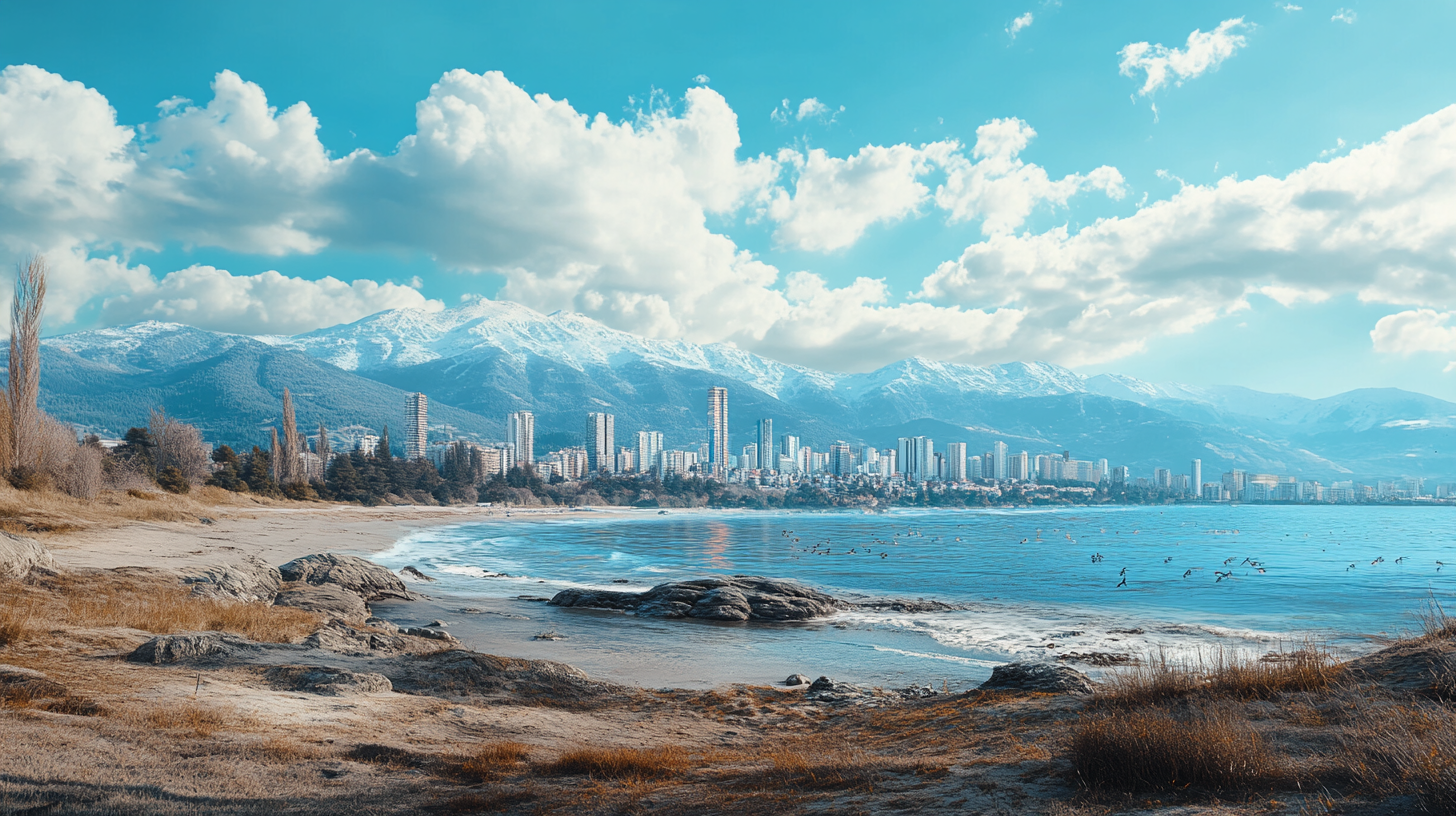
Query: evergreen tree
(228, 474)
(258, 473)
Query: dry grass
(623, 763)
(1221, 675)
(151, 604)
(1407, 749)
(188, 718)
(493, 760)
(1155, 750)
(31, 512)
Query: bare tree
(324, 450)
(23, 390)
(274, 455)
(289, 469)
(179, 445)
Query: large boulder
(330, 600)
(340, 638)
(1040, 677)
(191, 646)
(248, 580)
(327, 681)
(364, 578)
(737, 598)
(19, 555)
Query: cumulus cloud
(1415, 330)
(835, 200)
(269, 303)
(1161, 65)
(1015, 26)
(1345, 16)
(1379, 221)
(996, 186)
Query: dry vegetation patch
(623, 763)
(1220, 675)
(1158, 750)
(138, 601)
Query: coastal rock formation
(340, 638)
(326, 599)
(248, 580)
(1043, 677)
(464, 674)
(797, 680)
(414, 574)
(364, 578)
(188, 646)
(739, 598)
(327, 681)
(19, 555)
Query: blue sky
(667, 232)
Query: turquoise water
(1042, 583)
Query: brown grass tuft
(152, 604)
(15, 618)
(494, 759)
(623, 763)
(1154, 750)
(1222, 675)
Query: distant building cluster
(785, 460)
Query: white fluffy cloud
(1161, 65)
(1379, 222)
(834, 200)
(269, 303)
(1345, 16)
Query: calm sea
(1042, 583)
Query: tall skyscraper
(841, 459)
(521, 433)
(1003, 467)
(416, 425)
(749, 458)
(717, 430)
(955, 454)
(1162, 478)
(1196, 475)
(917, 458)
(649, 446)
(766, 458)
(601, 442)
(1018, 467)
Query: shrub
(172, 481)
(1223, 674)
(1155, 750)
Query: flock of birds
(826, 547)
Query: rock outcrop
(191, 646)
(1421, 666)
(248, 580)
(1041, 677)
(340, 638)
(464, 674)
(327, 681)
(326, 599)
(364, 578)
(20, 555)
(739, 598)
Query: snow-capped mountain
(490, 357)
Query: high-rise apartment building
(649, 448)
(841, 459)
(1162, 478)
(789, 449)
(1120, 475)
(748, 460)
(955, 454)
(416, 425)
(521, 434)
(973, 468)
(917, 458)
(717, 430)
(1102, 471)
(1196, 476)
(601, 442)
(1018, 467)
(1003, 467)
(625, 463)
(766, 458)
